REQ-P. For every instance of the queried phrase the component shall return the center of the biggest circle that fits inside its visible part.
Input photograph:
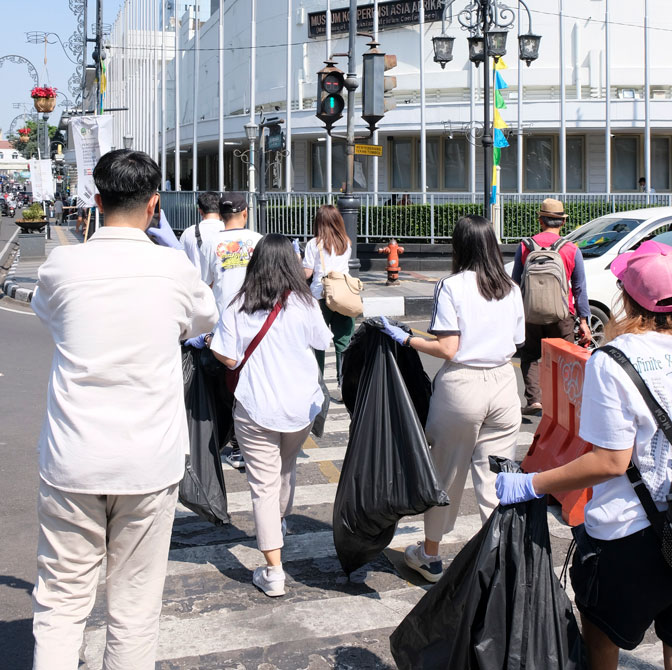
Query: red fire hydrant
(392, 250)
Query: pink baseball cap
(646, 274)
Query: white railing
(428, 217)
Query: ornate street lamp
(128, 141)
(487, 22)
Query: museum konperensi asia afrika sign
(390, 14)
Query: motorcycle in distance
(11, 211)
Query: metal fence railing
(419, 217)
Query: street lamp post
(488, 22)
(251, 129)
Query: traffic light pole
(348, 203)
(261, 197)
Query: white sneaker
(235, 459)
(414, 556)
(272, 584)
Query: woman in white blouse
(329, 250)
(278, 394)
(474, 412)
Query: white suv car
(601, 240)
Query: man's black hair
(208, 202)
(551, 221)
(126, 180)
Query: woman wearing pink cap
(620, 576)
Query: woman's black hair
(273, 272)
(475, 248)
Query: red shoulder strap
(260, 335)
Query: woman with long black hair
(478, 322)
(278, 394)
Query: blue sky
(18, 18)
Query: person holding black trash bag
(622, 568)
(329, 250)
(267, 334)
(478, 321)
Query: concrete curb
(398, 305)
(13, 290)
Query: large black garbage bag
(408, 360)
(498, 606)
(202, 488)
(387, 471)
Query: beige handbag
(341, 291)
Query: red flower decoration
(24, 131)
(43, 92)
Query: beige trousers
(474, 413)
(76, 532)
(270, 465)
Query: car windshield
(597, 237)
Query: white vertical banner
(41, 179)
(92, 136)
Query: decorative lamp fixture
(443, 49)
(251, 129)
(496, 42)
(44, 98)
(528, 47)
(476, 49)
(128, 141)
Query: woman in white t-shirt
(278, 393)
(329, 250)
(474, 412)
(628, 586)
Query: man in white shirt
(227, 253)
(211, 222)
(114, 439)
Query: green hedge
(415, 221)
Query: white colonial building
(593, 114)
(12, 163)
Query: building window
(455, 164)
(15, 156)
(318, 154)
(2, 155)
(575, 163)
(660, 163)
(508, 166)
(539, 164)
(402, 159)
(624, 153)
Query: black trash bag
(215, 373)
(499, 606)
(202, 488)
(408, 360)
(387, 471)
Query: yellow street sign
(369, 149)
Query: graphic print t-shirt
(227, 255)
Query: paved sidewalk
(412, 297)
(21, 279)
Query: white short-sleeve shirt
(489, 330)
(226, 255)
(332, 262)
(614, 415)
(190, 244)
(117, 308)
(278, 387)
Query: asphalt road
(25, 358)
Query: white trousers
(474, 413)
(76, 532)
(270, 465)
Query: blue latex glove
(295, 244)
(164, 234)
(515, 487)
(196, 342)
(399, 335)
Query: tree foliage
(29, 148)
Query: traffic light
(376, 86)
(330, 102)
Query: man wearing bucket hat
(620, 575)
(551, 218)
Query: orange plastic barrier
(556, 441)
